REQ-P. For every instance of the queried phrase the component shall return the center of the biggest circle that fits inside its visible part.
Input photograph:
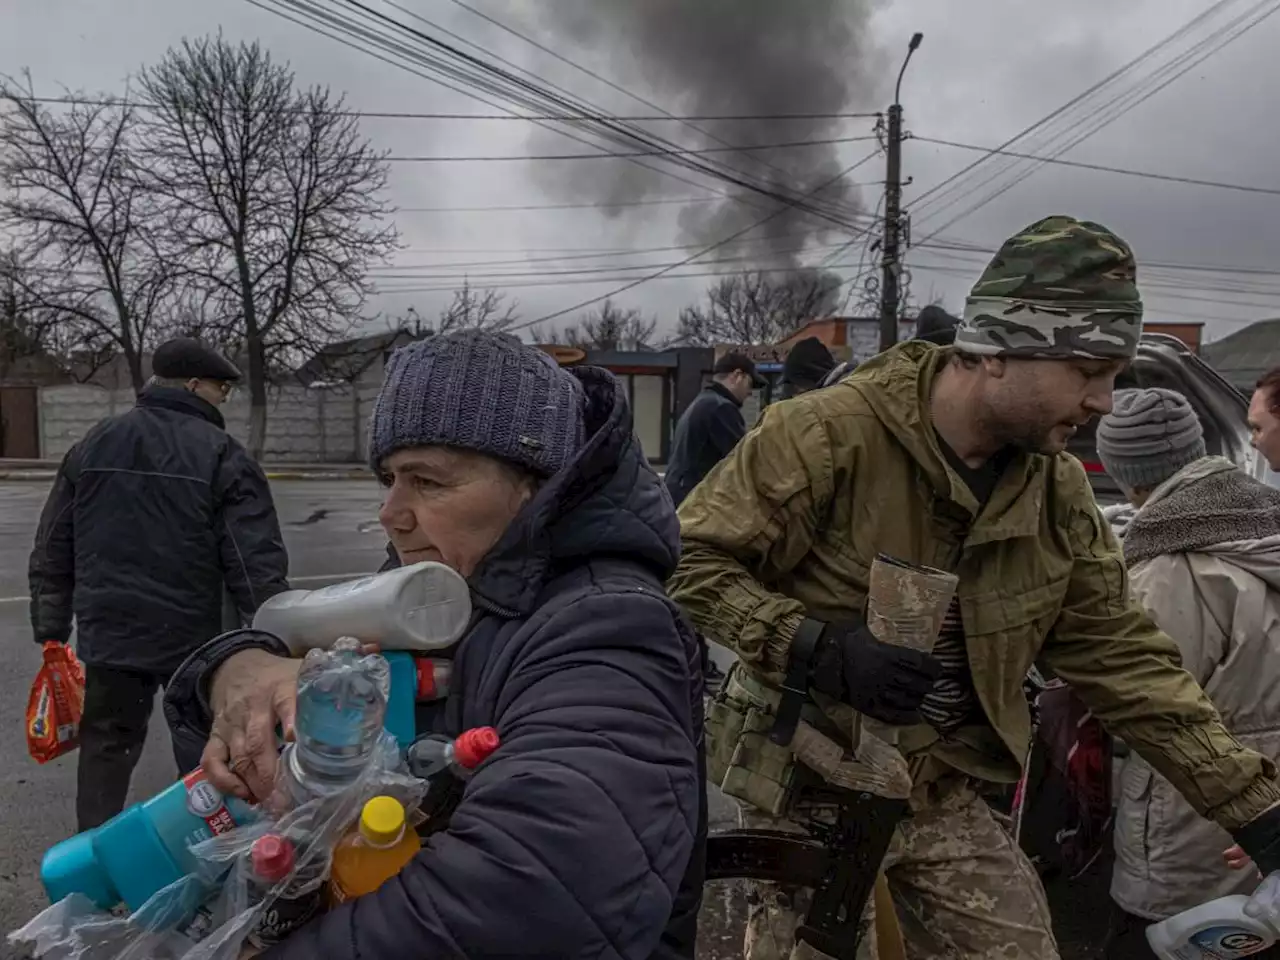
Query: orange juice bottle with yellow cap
(374, 852)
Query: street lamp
(891, 261)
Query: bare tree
(78, 210)
(752, 308)
(272, 198)
(473, 309)
(608, 327)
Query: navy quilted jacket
(584, 835)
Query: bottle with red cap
(430, 756)
(276, 879)
(446, 764)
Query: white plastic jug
(426, 606)
(1222, 929)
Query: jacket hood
(607, 502)
(1211, 506)
(897, 385)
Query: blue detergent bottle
(146, 847)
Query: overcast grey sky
(986, 70)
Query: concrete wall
(304, 425)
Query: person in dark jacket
(152, 517)
(711, 425)
(584, 834)
(808, 363)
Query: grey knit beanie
(1148, 436)
(486, 392)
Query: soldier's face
(1038, 405)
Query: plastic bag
(209, 914)
(55, 704)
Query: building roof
(347, 359)
(1244, 356)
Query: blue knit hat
(486, 392)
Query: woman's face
(450, 506)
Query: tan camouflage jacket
(789, 523)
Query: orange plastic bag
(55, 704)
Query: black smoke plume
(760, 58)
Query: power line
(623, 156)
(1074, 101)
(408, 115)
(477, 74)
(1176, 68)
(1104, 168)
(694, 256)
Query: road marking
(326, 578)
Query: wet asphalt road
(331, 529)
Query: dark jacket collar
(607, 502)
(724, 391)
(181, 401)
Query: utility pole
(890, 246)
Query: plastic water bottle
(342, 701)
(1222, 929)
(422, 607)
(432, 756)
(446, 763)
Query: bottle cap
(427, 684)
(382, 820)
(473, 746)
(272, 856)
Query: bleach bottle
(422, 607)
(1222, 929)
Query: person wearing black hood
(933, 324)
(807, 365)
(151, 516)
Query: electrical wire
(555, 315)
(407, 115)
(1104, 168)
(1161, 79)
(473, 73)
(622, 156)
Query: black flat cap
(186, 358)
(737, 361)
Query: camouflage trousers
(961, 888)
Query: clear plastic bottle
(277, 878)
(422, 607)
(433, 755)
(374, 852)
(342, 702)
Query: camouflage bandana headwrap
(1061, 288)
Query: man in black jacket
(151, 516)
(711, 425)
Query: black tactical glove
(878, 679)
(1260, 839)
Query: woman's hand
(1237, 859)
(251, 693)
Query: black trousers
(113, 730)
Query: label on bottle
(283, 917)
(1224, 943)
(337, 895)
(205, 801)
